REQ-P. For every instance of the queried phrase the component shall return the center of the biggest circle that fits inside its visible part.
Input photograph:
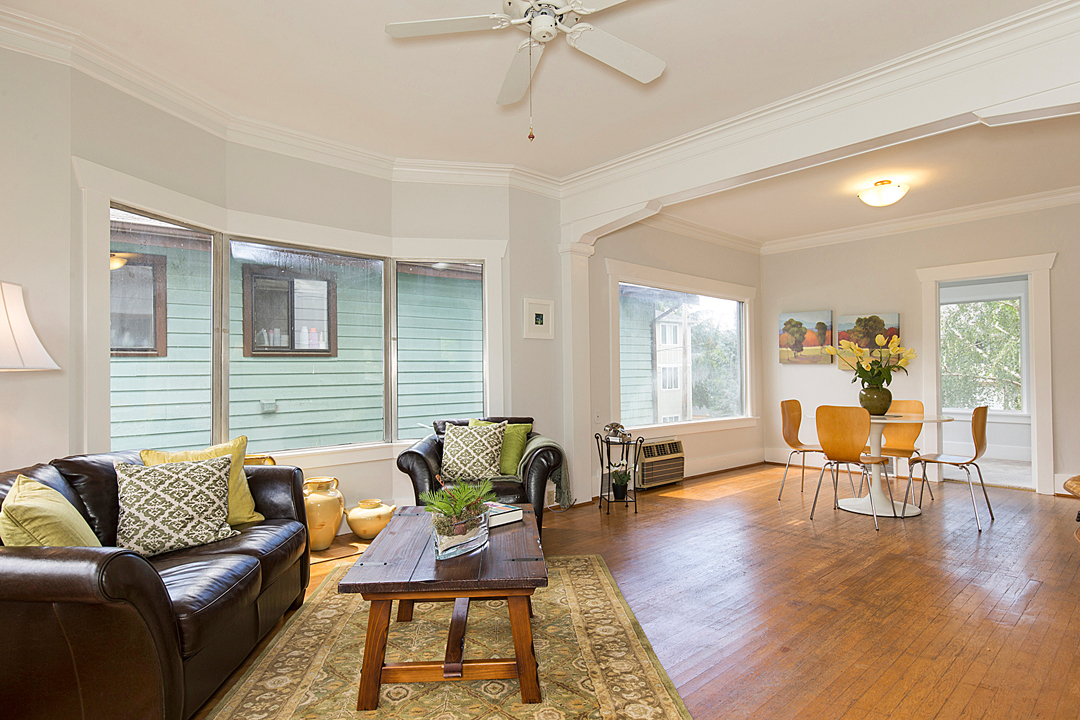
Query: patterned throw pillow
(471, 453)
(174, 505)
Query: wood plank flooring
(756, 612)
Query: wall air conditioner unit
(662, 462)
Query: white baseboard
(1059, 483)
(724, 461)
(993, 452)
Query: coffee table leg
(404, 610)
(374, 654)
(523, 648)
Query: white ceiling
(959, 169)
(328, 70)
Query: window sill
(341, 454)
(997, 416)
(693, 427)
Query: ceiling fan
(544, 20)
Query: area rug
(594, 659)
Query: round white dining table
(881, 501)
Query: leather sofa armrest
(421, 463)
(538, 468)
(278, 491)
(81, 619)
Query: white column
(577, 438)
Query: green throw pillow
(471, 453)
(513, 446)
(35, 515)
(173, 505)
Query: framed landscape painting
(803, 335)
(864, 329)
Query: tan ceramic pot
(324, 505)
(369, 517)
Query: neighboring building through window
(680, 356)
(287, 313)
(138, 324)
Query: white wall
(879, 275)
(709, 450)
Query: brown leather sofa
(106, 634)
(423, 461)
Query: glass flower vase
(457, 538)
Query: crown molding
(970, 213)
(921, 67)
(672, 224)
(459, 173)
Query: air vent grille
(663, 462)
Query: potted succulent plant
(620, 479)
(459, 517)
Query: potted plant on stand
(620, 479)
(459, 517)
(875, 369)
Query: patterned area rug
(595, 661)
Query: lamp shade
(20, 348)
(883, 193)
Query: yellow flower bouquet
(875, 368)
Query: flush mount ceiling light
(883, 193)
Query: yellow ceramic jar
(369, 517)
(324, 505)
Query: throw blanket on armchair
(560, 475)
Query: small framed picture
(539, 319)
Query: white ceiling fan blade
(443, 26)
(520, 74)
(619, 54)
(588, 7)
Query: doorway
(984, 345)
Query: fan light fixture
(883, 193)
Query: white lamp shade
(20, 348)
(883, 193)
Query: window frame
(619, 271)
(249, 271)
(158, 264)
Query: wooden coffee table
(400, 565)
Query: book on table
(501, 514)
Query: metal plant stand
(613, 451)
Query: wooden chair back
(978, 431)
(843, 432)
(902, 436)
(791, 415)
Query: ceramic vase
(324, 506)
(369, 517)
(875, 399)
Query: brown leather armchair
(107, 634)
(422, 462)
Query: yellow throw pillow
(241, 504)
(35, 515)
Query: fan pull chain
(531, 68)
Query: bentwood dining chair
(791, 415)
(978, 438)
(843, 432)
(898, 439)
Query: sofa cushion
(440, 425)
(93, 477)
(241, 504)
(513, 447)
(35, 515)
(173, 505)
(471, 453)
(208, 594)
(48, 476)
(276, 544)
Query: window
(137, 296)
(680, 356)
(306, 359)
(440, 344)
(306, 364)
(160, 329)
(286, 313)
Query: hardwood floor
(756, 612)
